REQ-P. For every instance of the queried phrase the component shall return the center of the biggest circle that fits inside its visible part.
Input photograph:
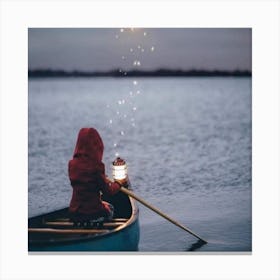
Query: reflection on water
(189, 153)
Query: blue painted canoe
(55, 232)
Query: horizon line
(122, 73)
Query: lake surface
(187, 142)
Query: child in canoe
(87, 176)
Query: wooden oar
(130, 193)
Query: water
(188, 152)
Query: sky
(104, 49)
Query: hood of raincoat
(87, 157)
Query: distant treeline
(47, 73)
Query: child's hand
(123, 182)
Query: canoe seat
(87, 224)
(69, 220)
(77, 224)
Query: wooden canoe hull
(124, 237)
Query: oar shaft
(130, 193)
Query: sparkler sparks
(126, 107)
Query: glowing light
(139, 47)
(121, 30)
(138, 91)
(117, 154)
(145, 33)
(152, 49)
(136, 63)
(142, 50)
(135, 83)
(130, 93)
(118, 112)
(122, 132)
(120, 102)
(124, 115)
(131, 49)
(117, 36)
(115, 144)
(134, 108)
(119, 169)
(110, 121)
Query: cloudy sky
(101, 49)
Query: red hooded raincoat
(87, 175)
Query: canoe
(56, 232)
